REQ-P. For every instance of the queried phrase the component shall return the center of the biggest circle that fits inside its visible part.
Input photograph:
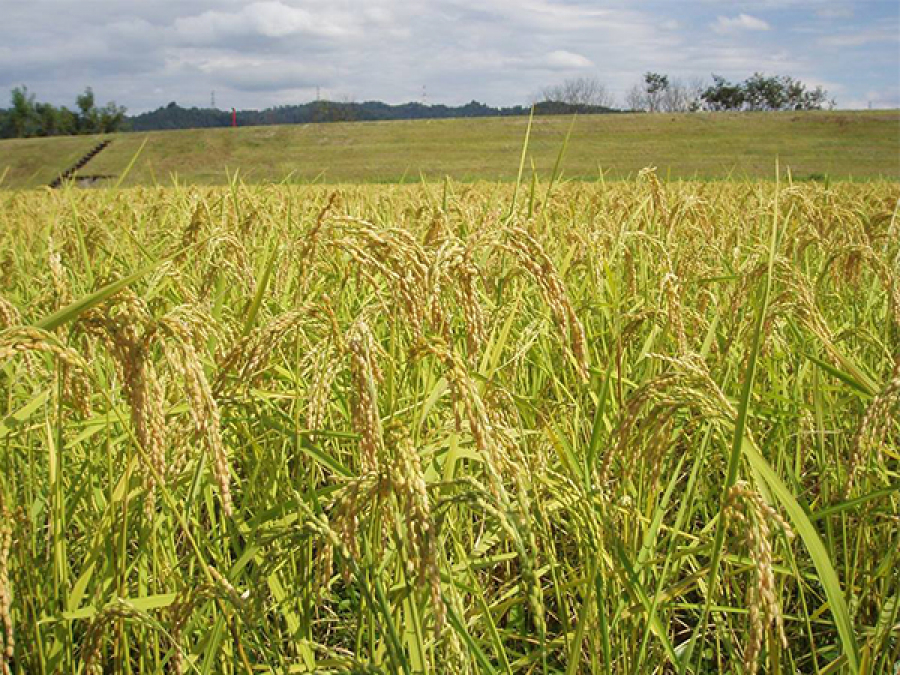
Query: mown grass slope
(859, 145)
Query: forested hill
(28, 118)
(174, 116)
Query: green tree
(112, 118)
(764, 93)
(47, 119)
(798, 97)
(723, 95)
(655, 84)
(650, 94)
(88, 117)
(27, 118)
(53, 121)
(22, 115)
(761, 92)
(94, 120)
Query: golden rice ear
(24, 340)
(532, 257)
(420, 529)
(27, 341)
(671, 289)
(62, 291)
(129, 333)
(113, 612)
(366, 417)
(875, 426)
(754, 518)
(205, 413)
(326, 366)
(394, 256)
(242, 362)
(7, 636)
(9, 314)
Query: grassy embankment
(861, 145)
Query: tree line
(765, 93)
(586, 95)
(174, 116)
(656, 92)
(28, 118)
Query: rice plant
(635, 427)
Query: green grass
(840, 145)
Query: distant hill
(173, 116)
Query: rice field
(565, 427)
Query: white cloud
(724, 24)
(543, 14)
(269, 19)
(564, 60)
(861, 38)
(835, 13)
(493, 61)
(256, 53)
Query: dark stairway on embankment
(68, 173)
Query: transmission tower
(212, 99)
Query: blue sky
(258, 53)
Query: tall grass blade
(557, 166)
(512, 205)
(128, 168)
(261, 287)
(75, 309)
(817, 552)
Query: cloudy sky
(258, 53)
